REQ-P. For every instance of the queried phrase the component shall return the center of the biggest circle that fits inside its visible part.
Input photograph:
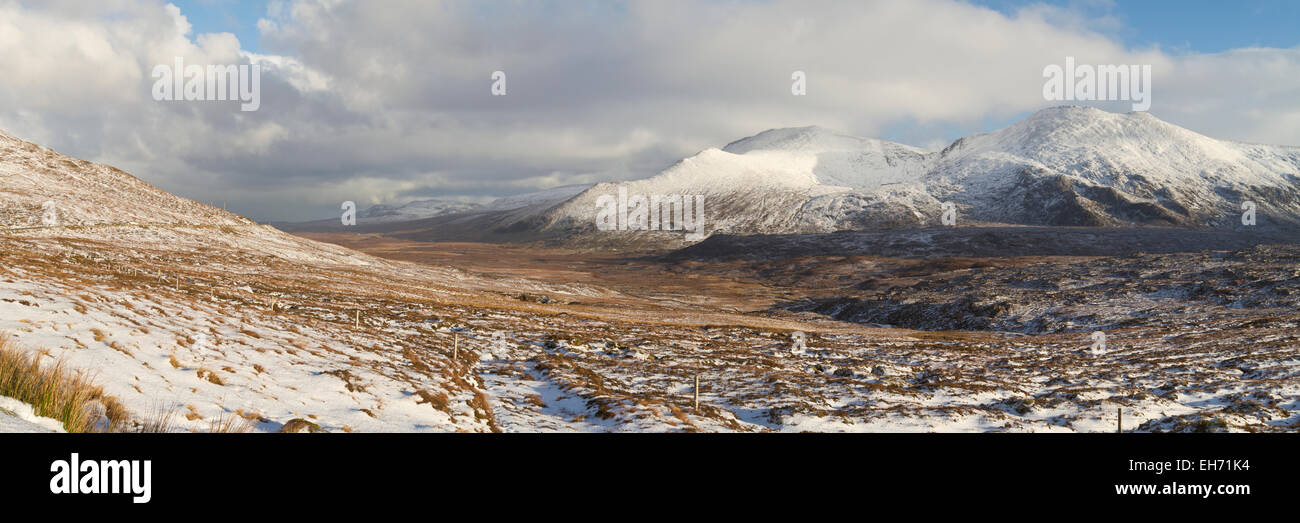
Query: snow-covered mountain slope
(732, 184)
(459, 220)
(550, 196)
(422, 209)
(39, 186)
(1083, 166)
(416, 210)
(842, 160)
(1060, 166)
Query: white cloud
(372, 97)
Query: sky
(388, 102)
(1203, 26)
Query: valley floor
(245, 322)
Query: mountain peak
(809, 139)
(1056, 129)
(1080, 115)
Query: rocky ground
(1257, 287)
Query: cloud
(374, 101)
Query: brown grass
(118, 347)
(229, 424)
(211, 377)
(437, 400)
(160, 421)
(483, 410)
(56, 392)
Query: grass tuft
(160, 421)
(229, 423)
(56, 392)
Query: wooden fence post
(697, 392)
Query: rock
(298, 425)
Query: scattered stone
(299, 425)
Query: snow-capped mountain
(416, 210)
(1082, 166)
(1059, 166)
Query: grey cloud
(370, 101)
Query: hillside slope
(34, 179)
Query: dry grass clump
(483, 410)
(230, 424)
(158, 422)
(212, 377)
(56, 392)
(437, 400)
(162, 420)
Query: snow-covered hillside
(1083, 166)
(550, 196)
(41, 186)
(422, 209)
(859, 163)
(176, 306)
(416, 210)
(1060, 166)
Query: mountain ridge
(1061, 166)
